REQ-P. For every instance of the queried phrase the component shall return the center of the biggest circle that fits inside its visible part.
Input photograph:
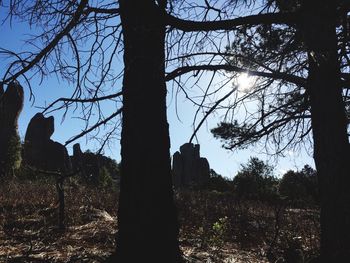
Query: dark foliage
(255, 181)
(300, 187)
(219, 183)
(98, 169)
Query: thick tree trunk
(329, 123)
(148, 230)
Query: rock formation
(77, 158)
(11, 104)
(189, 168)
(42, 152)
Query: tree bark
(147, 220)
(329, 123)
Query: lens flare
(245, 82)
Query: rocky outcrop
(42, 152)
(11, 104)
(77, 158)
(189, 168)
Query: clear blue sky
(222, 161)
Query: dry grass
(28, 223)
(258, 231)
(214, 226)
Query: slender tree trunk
(329, 123)
(148, 229)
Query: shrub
(10, 159)
(255, 180)
(300, 187)
(105, 178)
(219, 183)
(220, 231)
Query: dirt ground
(213, 228)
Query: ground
(214, 226)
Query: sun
(245, 82)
